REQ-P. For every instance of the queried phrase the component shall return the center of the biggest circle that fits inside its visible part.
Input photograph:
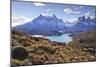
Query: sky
(23, 12)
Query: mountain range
(51, 25)
(83, 24)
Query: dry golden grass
(43, 51)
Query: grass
(44, 51)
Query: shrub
(19, 53)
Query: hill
(28, 50)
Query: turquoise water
(63, 38)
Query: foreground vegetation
(27, 50)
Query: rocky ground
(27, 50)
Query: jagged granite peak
(51, 25)
(43, 25)
(83, 24)
(51, 16)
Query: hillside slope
(27, 50)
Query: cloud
(39, 4)
(20, 20)
(88, 14)
(47, 14)
(48, 10)
(72, 20)
(70, 11)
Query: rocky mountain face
(27, 50)
(82, 24)
(43, 25)
(51, 25)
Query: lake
(64, 38)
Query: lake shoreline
(64, 38)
